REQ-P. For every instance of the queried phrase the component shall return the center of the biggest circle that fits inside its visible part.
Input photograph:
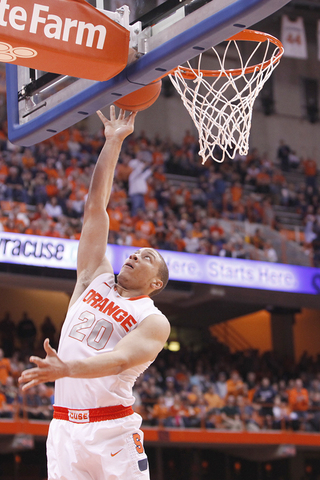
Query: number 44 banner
(293, 37)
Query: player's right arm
(91, 260)
(140, 346)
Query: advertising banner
(68, 37)
(186, 267)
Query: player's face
(139, 270)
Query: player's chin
(124, 278)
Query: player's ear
(156, 284)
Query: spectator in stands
(6, 410)
(294, 160)
(7, 332)
(310, 171)
(11, 392)
(283, 156)
(48, 330)
(14, 186)
(249, 414)
(299, 403)
(138, 186)
(281, 414)
(191, 242)
(212, 400)
(5, 368)
(33, 404)
(235, 384)
(159, 412)
(26, 332)
(264, 396)
(270, 252)
(53, 209)
(178, 413)
(230, 415)
(45, 404)
(221, 385)
(257, 239)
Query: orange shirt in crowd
(234, 388)
(122, 172)
(115, 217)
(298, 399)
(213, 400)
(151, 203)
(180, 243)
(52, 190)
(139, 242)
(146, 227)
(5, 368)
(310, 168)
(160, 411)
(2, 400)
(157, 158)
(28, 161)
(3, 171)
(159, 176)
(236, 192)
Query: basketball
(140, 99)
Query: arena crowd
(207, 387)
(162, 196)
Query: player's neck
(124, 292)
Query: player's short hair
(163, 274)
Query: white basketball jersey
(94, 324)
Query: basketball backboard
(164, 34)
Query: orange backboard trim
(68, 37)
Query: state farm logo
(40, 20)
(10, 54)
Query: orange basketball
(140, 99)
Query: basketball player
(111, 334)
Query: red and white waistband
(77, 415)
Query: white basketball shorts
(106, 450)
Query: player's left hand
(48, 369)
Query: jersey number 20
(99, 333)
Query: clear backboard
(163, 35)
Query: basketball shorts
(101, 450)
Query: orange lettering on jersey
(95, 300)
(107, 306)
(120, 315)
(128, 322)
(111, 308)
(100, 306)
(89, 295)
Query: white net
(220, 102)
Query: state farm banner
(68, 37)
(293, 37)
(60, 253)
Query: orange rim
(246, 35)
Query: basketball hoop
(222, 108)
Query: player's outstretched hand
(120, 126)
(48, 369)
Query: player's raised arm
(94, 236)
